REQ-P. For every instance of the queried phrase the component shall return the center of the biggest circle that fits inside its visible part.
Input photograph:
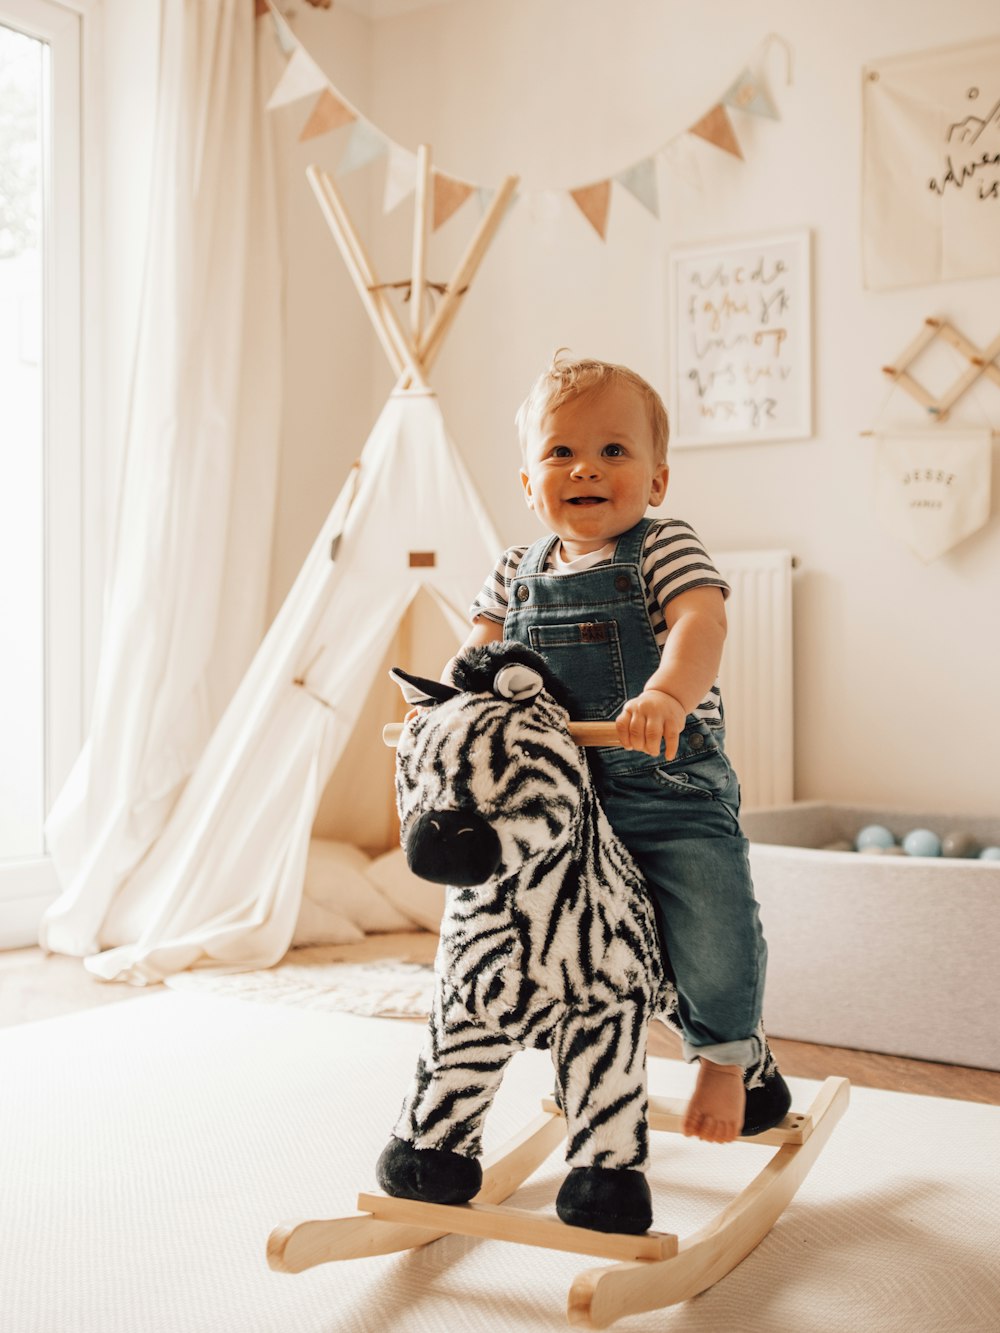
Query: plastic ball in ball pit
(959, 843)
(990, 854)
(874, 835)
(922, 842)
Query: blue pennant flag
(640, 180)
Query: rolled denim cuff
(743, 1053)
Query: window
(40, 442)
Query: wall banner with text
(931, 187)
(932, 488)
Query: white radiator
(756, 676)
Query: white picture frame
(741, 341)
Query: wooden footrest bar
(518, 1226)
(668, 1113)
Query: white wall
(895, 661)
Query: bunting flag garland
(593, 201)
(328, 114)
(640, 181)
(330, 111)
(302, 78)
(484, 197)
(400, 177)
(365, 145)
(449, 196)
(747, 94)
(717, 128)
(682, 160)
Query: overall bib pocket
(588, 654)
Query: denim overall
(679, 819)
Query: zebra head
(487, 776)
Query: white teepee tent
(389, 578)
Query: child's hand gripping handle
(584, 733)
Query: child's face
(590, 472)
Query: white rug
(147, 1149)
(382, 976)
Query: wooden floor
(34, 986)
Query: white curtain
(185, 604)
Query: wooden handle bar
(584, 733)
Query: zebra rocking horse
(548, 940)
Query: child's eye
(561, 451)
(613, 451)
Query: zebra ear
(518, 682)
(419, 692)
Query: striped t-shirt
(673, 561)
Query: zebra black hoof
(604, 1198)
(433, 1175)
(767, 1105)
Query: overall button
(697, 741)
(522, 592)
(622, 582)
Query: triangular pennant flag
(747, 93)
(640, 180)
(546, 205)
(449, 196)
(302, 78)
(286, 37)
(400, 177)
(261, 8)
(593, 202)
(682, 160)
(365, 145)
(328, 114)
(484, 197)
(717, 128)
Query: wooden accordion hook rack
(982, 361)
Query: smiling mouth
(588, 500)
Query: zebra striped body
(557, 948)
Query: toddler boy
(630, 613)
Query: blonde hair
(573, 377)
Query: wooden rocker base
(652, 1270)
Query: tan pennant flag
(717, 128)
(328, 114)
(593, 201)
(449, 196)
(302, 78)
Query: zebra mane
(474, 669)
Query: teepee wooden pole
(394, 342)
(418, 271)
(430, 343)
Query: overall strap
(630, 544)
(534, 558)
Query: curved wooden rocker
(653, 1270)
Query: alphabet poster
(741, 360)
(931, 188)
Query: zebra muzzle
(452, 847)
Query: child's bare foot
(715, 1111)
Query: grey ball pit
(894, 954)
